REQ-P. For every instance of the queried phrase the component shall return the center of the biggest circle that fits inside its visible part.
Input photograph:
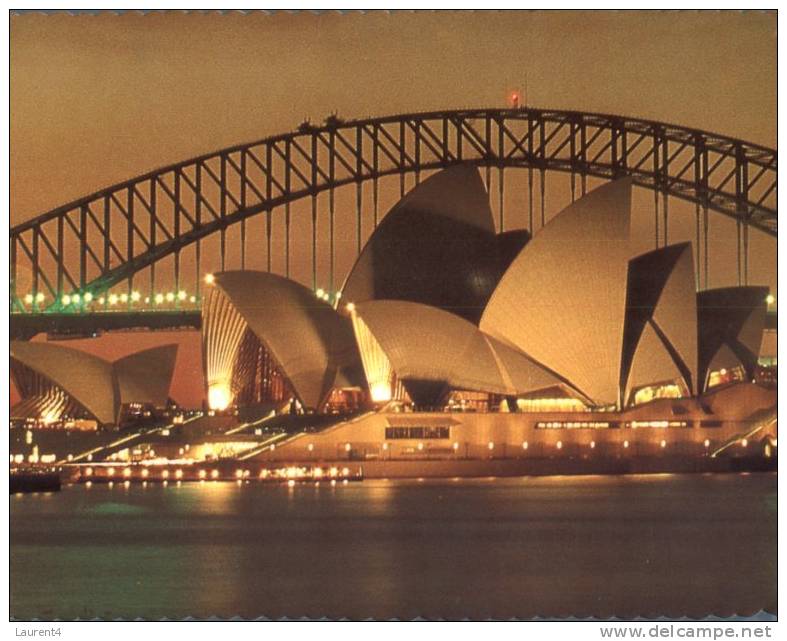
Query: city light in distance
(209, 279)
(170, 297)
(350, 307)
(88, 297)
(66, 300)
(159, 298)
(770, 299)
(113, 299)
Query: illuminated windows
(577, 425)
(550, 405)
(658, 424)
(400, 433)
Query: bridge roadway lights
(23, 326)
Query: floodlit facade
(269, 340)
(57, 382)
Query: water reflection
(651, 544)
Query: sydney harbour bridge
(135, 254)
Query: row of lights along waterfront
(333, 471)
(49, 458)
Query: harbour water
(632, 545)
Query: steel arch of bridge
(163, 211)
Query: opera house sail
(270, 341)
(56, 382)
(437, 247)
(562, 300)
(731, 322)
(432, 352)
(660, 334)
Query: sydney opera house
(456, 339)
(451, 341)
